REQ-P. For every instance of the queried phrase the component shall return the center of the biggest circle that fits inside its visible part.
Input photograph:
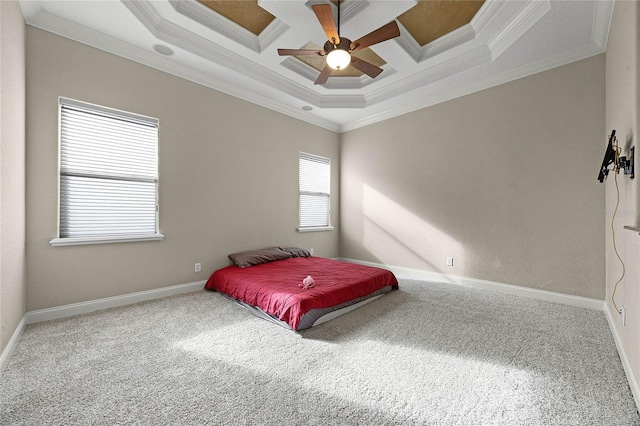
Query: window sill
(315, 229)
(56, 242)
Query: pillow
(255, 257)
(297, 252)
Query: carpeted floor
(428, 354)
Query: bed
(270, 283)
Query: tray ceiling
(446, 49)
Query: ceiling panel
(431, 19)
(245, 13)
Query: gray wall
(12, 170)
(503, 181)
(228, 176)
(623, 115)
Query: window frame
(320, 159)
(113, 238)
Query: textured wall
(12, 170)
(228, 176)
(503, 181)
(623, 115)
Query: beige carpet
(428, 354)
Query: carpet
(427, 354)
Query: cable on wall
(616, 168)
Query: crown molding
(70, 30)
(602, 22)
(448, 41)
(200, 13)
(361, 82)
(530, 13)
(273, 31)
(487, 12)
(187, 40)
(456, 38)
(581, 52)
(492, 34)
(180, 37)
(470, 58)
(216, 22)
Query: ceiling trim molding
(78, 33)
(448, 41)
(216, 22)
(530, 13)
(488, 11)
(474, 57)
(602, 22)
(461, 35)
(581, 52)
(30, 8)
(275, 29)
(200, 13)
(495, 29)
(455, 38)
(340, 101)
(300, 68)
(408, 43)
(364, 80)
(180, 37)
(184, 39)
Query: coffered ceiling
(447, 48)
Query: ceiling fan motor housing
(345, 44)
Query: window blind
(108, 172)
(314, 191)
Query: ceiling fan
(338, 49)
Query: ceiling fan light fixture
(338, 59)
(338, 49)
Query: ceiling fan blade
(325, 16)
(386, 32)
(298, 52)
(366, 67)
(324, 75)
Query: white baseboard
(91, 306)
(549, 296)
(6, 353)
(626, 364)
(401, 272)
(583, 302)
(110, 302)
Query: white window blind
(314, 191)
(108, 172)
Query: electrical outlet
(449, 261)
(198, 267)
(623, 312)
(311, 251)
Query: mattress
(274, 289)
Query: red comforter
(274, 286)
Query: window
(314, 193)
(108, 175)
